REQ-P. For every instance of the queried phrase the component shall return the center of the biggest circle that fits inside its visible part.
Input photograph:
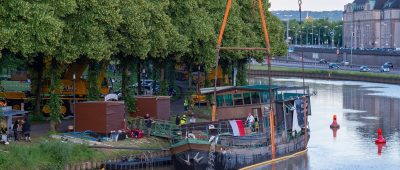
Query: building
(373, 24)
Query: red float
(380, 138)
(334, 124)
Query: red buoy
(380, 146)
(380, 138)
(334, 124)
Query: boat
(225, 142)
(217, 145)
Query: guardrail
(348, 51)
(325, 76)
(342, 66)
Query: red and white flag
(237, 127)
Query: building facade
(372, 24)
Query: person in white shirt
(192, 119)
(250, 120)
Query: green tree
(193, 20)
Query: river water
(361, 109)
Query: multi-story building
(372, 24)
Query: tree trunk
(139, 81)
(38, 68)
(124, 83)
(93, 89)
(190, 76)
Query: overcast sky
(309, 5)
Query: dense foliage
(133, 33)
(316, 32)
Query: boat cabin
(235, 102)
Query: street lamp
(287, 33)
(319, 34)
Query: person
(192, 119)
(26, 130)
(186, 104)
(15, 130)
(256, 126)
(183, 120)
(148, 121)
(250, 120)
(3, 132)
(178, 119)
(3, 103)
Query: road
(310, 64)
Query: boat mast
(304, 88)
(267, 49)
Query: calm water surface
(361, 109)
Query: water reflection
(361, 109)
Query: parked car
(385, 68)
(389, 64)
(364, 69)
(323, 61)
(333, 66)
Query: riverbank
(47, 153)
(257, 70)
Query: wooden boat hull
(193, 156)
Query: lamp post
(73, 95)
(287, 33)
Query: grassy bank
(337, 72)
(54, 154)
(45, 155)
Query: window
(264, 97)
(220, 101)
(246, 98)
(228, 99)
(238, 99)
(255, 97)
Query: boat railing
(160, 128)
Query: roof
(392, 4)
(379, 4)
(12, 112)
(221, 89)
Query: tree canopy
(50, 34)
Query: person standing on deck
(192, 119)
(183, 120)
(250, 120)
(147, 122)
(178, 119)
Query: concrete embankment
(325, 76)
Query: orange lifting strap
(264, 27)
(267, 49)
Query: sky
(309, 5)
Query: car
(384, 68)
(323, 61)
(345, 62)
(389, 64)
(364, 69)
(333, 66)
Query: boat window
(228, 99)
(246, 98)
(238, 99)
(264, 97)
(255, 97)
(220, 101)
